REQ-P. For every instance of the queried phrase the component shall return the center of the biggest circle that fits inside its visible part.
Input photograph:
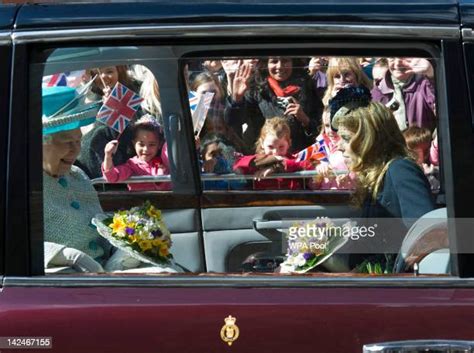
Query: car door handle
(261, 224)
(415, 346)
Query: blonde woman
(343, 72)
(391, 184)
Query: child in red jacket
(272, 156)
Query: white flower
(299, 260)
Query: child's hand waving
(111, 148)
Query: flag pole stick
(101, 79)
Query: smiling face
(108, 74)
(400, 68)
(344, 145)
(272, 145)
(60, 153)
(280, 69)
(146, 145)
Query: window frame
(65, 35)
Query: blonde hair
(377, 141)
(150, 91)
(337, 65)
(276, 126)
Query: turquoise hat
(64, 109)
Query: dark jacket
(261, 103)
(405, 196)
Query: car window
(163, 163)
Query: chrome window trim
(5, 38)
(244, 30)
(467, 35)
(231, 281)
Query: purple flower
(130, 231)
(308, 255)
(156, 233)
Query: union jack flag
(193, 101)
(317, 151)
(69, 78)
(119, 108)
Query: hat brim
(71, 121)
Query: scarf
(289, 90)
(400, 114)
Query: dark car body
(185, 313)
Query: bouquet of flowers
(139, 231)
(311, 243)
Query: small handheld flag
(200, 113)
(119, 108)
(317, 151)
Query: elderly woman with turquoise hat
(69, 199)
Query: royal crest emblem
(230, 331)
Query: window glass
(277, 141)
(103, 130)
(271, 116)
(319, 125)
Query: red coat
(245, 165)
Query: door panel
(333, 320)
(242, 232)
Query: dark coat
(261, 103)
(405, 196)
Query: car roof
(7, 16)
(85, 14)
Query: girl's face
(344, 145)
(272, 145)
(344, 78)
(107, 74)
(333, 136)
(280, 69)
(146, 145)
(61, 152)
(209, 87)
(212, 151)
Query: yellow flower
(156, 242)
(153, 212)
(164, 251)
(118, 225)
(145, 245)
(132, 239)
